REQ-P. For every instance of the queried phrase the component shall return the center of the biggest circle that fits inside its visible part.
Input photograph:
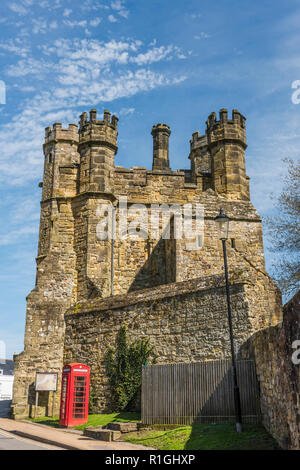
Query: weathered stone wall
(185, 321)
(279, 377)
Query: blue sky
(148, 62)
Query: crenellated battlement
(57, 133)
(108, 120)
(222, 129)
(237, 119)
(198, 142)
(219, 154)
(103, 132)
(217, 157)
(226, 129)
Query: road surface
(9, 441)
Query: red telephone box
(74, 401)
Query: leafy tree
(124, 368)
(284, 231)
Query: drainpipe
(112, 250)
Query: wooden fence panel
(198, 392)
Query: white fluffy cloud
(73, 24)
(67, 12)
(78, 74)
(16, 46)
(95, 22)
(119, 7)
(18, 8)
(112, 18)
(23, 7)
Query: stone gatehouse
(86, 287)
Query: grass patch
(93, 420)
(221, 436)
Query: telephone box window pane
(79, 398)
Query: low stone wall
(279, 377)
(185, 321)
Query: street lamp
(222, 221)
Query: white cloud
(202, 35)
(51, 5)
(67, 12)
(118, 5)
(23, 210)
(79, 74)
(22, 138)
(25, 89)
(39, 26)
(53, 25)
(30, 66)
(92, 5)
(15, 47)
(157, 54)
(17, 8)
(194, 16)
(125, 111)
(95, 22)
(73, 24)
(13, 236)
(112, 19)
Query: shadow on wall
(160, 267)
(198, 392)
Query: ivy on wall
(124, 369)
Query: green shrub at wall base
(124, 370)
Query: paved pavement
(62, 438)
(9, 441)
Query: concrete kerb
(44, 440)
(45, 426)
(63, 438)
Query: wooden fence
(198, 392)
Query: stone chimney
(161, 134)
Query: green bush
(124, 369)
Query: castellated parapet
(97, 147)
(220, 154)
(76, 267)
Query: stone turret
(61, 161)
(97, 148)
(161, 134)
(227, 143)
(220, 154)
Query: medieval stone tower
(76, 267)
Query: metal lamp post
(222, 221)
